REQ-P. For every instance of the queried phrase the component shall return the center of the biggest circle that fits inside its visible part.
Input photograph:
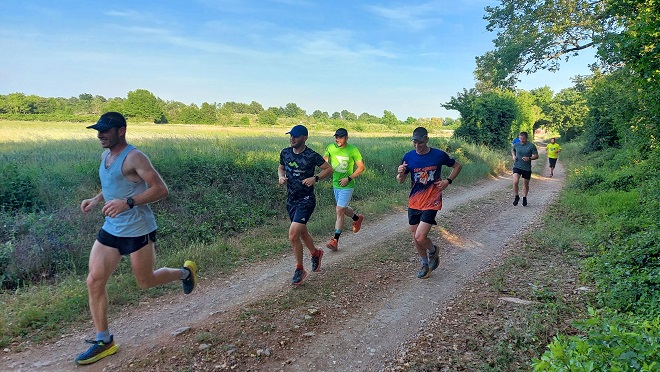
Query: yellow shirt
(553, 150)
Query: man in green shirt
(346, 161)
(553, 149)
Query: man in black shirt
(296, 169)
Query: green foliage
(533, 35)
(614, 201)
(17, 191)
(486, 117)
(613, 343)
(566, 113)
(143, 105)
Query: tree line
(143, 105)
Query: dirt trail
(371, 335)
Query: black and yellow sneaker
(190, 282)
(97, 351)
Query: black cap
(419, 134)
(109, 120)
(341, 132)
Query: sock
(185, 273)
(425, 261)
(337, 233)
(103, 336)
(355, 217)
(433, 249)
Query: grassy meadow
(225, 207)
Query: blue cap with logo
(298, 130)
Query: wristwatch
(316, 178)
(450, 180)
(131, 202)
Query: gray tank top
(134, 222)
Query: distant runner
(553, 150)
(523, 153)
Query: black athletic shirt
(298, 167)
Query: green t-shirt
(552, 149)
(342, 160)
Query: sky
(406, 56)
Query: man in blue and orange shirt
(424, 164)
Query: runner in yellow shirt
(553, 150)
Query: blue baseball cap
(109, 120)
(298, 130)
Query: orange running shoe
(332, 244)
(358, 224)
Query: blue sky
(405, 56)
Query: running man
(553, 150)
(523, 153)
(424, 164)
(346, 161)
(129, 182)
(297, 165)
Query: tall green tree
(486, 118)
(142, 104)
(567, 113)
(534, 35)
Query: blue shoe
(434, 259)
(190, 282)
(424, 272)
(97, 351)
(298, 276)
(316, 260)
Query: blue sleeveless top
(134, 222)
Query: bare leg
(516, 180)
(420, 238)
(142, 263)
(103, 261)
(525, 187)
(341, 211)
(295, 237)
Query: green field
(225, 206)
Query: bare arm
(456, 169)
(359, 164)
(281, 173)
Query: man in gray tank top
(129, 182)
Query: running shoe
(298, 276)
(97, 351)
(434, 259)
(332, 244)
(424, 272)
(524, 201)
(190, 282)
(358, 224)
(316, 260)
(516, 200)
